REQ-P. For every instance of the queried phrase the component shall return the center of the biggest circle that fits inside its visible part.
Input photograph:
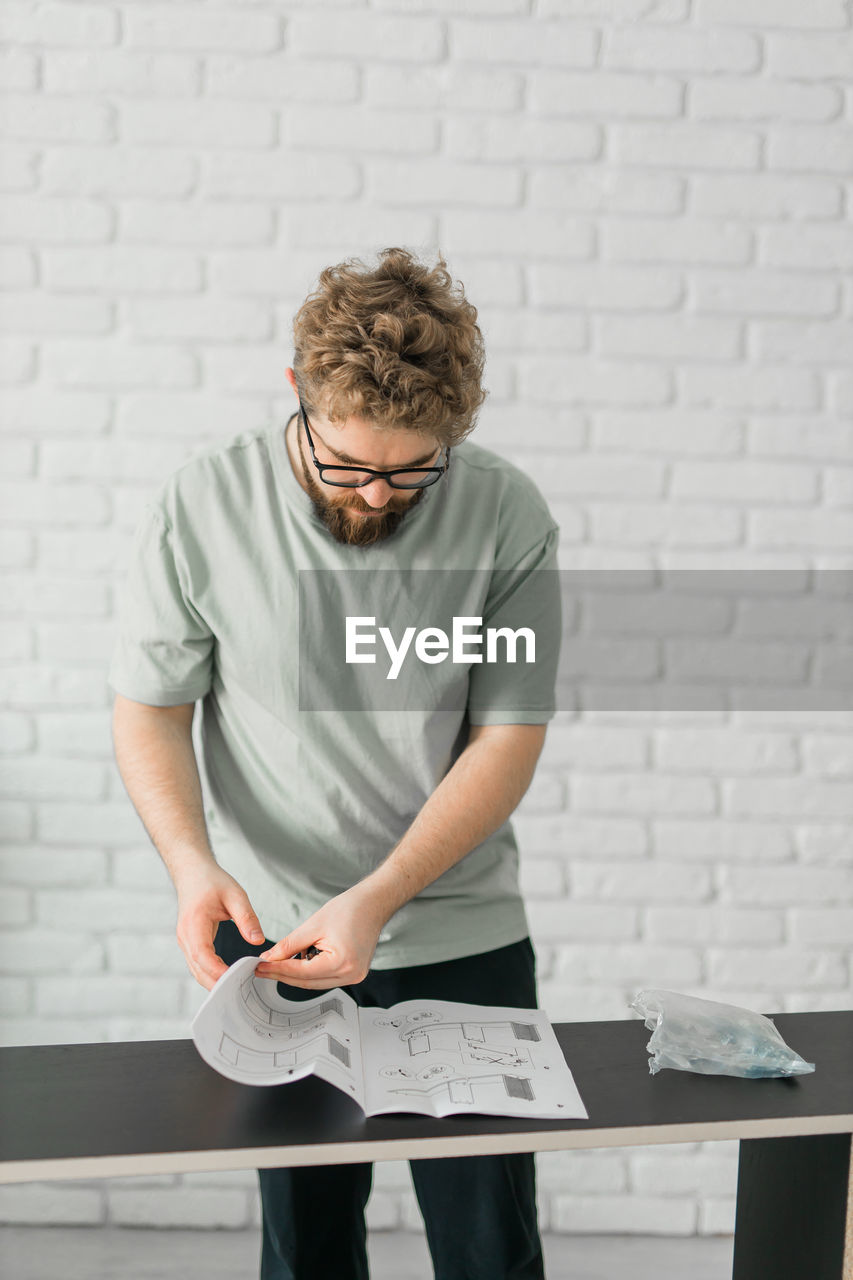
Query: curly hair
(397, 344)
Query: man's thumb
(247, 922)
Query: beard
(351, 529)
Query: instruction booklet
(435, 1057)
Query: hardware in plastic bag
(689, 1034)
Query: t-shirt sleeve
(521, 600)
(163, 653)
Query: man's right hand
(206, 896)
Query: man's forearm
(156, 760)
(475, 797)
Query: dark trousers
(479, 1211)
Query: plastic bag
(713, 1039)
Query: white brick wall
(649, 203)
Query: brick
(199, 29)
(575, 1002)
(826, 927)
(688, 240)
(600, 190)
(718, 840)
(117, 364)
(120, 72)
(599, 749)
(135, 910)
(233, 174)
(602, 288)
(57, 119)
(37, 503)
(522, 139)
(434, 181)
(86, 644)
(810, 149)
(716, 1217)
(118, 171)
(38, 409)
(692, 433)
(814, 616)
(580, 836)
(14, 999)
(525, 42)
(635, 963)
(17, 458)
(34, 1204)
(599, 382)
(708, 924)
(17, 267)
(765, 195)
(762, 292)
(321, 225)
(17, 361)
(830, 755)
(668, 337)
(744, 481)
(628, 1214)
(34, 776)
(642, 880)
(278, 78)
(84, 824)
(139, 869)
(602, 94)
(589, 1171)
(450, 87)
(19, 171)
(674, 1174)
(801, 797)
(684, 147)
(37, 866)
(724, 752)
(117, 269)
(542, 878)
(201, 122)
(42, 313)
(41, 596)
(783, 13)
(17, 548)
(641, 793)
(58, 24)
(214, 319)
(498, 232)
(16, 733)
(55, 221)
(101, 996)
(15, 909)
(546, 794)
(815, 528)
(667, 610)
(19, 71)
(360, 130)
(182, 413)
(772, 967)
(820, 57)
(33, 951)
(366, 35)
(658, 49)
(17, 642)
(253, 369)
(726, 98)
(770, 387)
(838, 487)
(823, 343)
(618, 10)
(682, 525)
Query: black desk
(101, 1110)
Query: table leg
(793, 1215)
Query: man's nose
(377, 493)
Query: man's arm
(156, 760)
(473, 799)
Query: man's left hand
(344, 931)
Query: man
(352, 844)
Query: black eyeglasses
(356, 477)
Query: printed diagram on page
(465, 1061)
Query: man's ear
(291, 378)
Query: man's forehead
(360, 443)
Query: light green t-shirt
(313, 769)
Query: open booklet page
(440, 1057)
(248, 1032)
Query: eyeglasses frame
(373, 474)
